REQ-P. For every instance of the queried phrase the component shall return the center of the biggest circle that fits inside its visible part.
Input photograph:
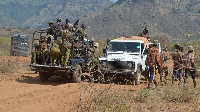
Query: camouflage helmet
(50, 22)
(58, 19)
(83, 26)
(146, 28)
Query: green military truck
(77, 64)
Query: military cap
(190, 48)
(146, 28)
(96, 44)
(50, 22)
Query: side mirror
(104, 50)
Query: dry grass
(5, 45)
(165, 98)
(11, 68)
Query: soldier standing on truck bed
(55, 51)
(58, 26)
(35, 53)
(189, 65)
(65, 46)
(177, 68)
(50, 30)
(68, 25)
(153, 60)
(145, 33)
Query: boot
(149, 84)
(173, 80)
(194, 81)
(156, 84)
(161, 79)
(185, 80)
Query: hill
(37, 13)
(128, 17)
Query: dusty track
(24, 92)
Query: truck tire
(43, 76)
(77, 74)
(137, 77)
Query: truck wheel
(43, 76)
(77, 74)
(137, 77)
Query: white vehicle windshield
(131, 47)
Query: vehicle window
(124, 46)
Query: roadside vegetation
(5, 45)
(164, 98)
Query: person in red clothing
(153, 60)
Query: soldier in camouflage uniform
(50, 29)
(144, 33)
(94, 62)
(54, 50)
(35, 53)
(79, 41)
(68, 25)
(44, 52)
(58, 26)
(189, 65)
(82, 32)
(65, 46)
(177, 68)
(164, 67)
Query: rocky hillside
(129, 17)
(37, 13)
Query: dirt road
(24, 92)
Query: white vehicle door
(145, 51)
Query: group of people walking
(184, 64)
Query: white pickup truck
(125, 56)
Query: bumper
(118, 72)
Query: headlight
(131, 65)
